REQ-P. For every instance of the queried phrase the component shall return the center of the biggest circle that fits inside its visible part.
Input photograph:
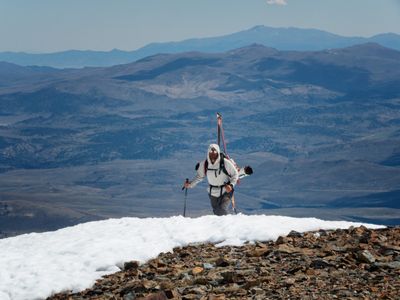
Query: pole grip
(186, 181)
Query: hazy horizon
(45, 26)
(172, 41)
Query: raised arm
(199, 175)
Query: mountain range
(321, 130)
(295, 39)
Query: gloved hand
(228, 188)
(186, 185)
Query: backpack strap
(222, 164)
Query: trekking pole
(186, 192)
(234, 204)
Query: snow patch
(34, 266)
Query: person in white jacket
(222, 178)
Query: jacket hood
(216, 147)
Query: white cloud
(278, 2)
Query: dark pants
(220, 204)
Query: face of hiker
(213, 155)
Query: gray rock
(319, 264)
(208, 266)
(366, 256)
(222, 262)
(131, 265)
(294, 234)
(129, 296)
(155, 296)
(390, 265)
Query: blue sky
(56, 25)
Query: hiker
(222, 177)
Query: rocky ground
(357, 263)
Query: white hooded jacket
(215, 175)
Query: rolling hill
(92, 143)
